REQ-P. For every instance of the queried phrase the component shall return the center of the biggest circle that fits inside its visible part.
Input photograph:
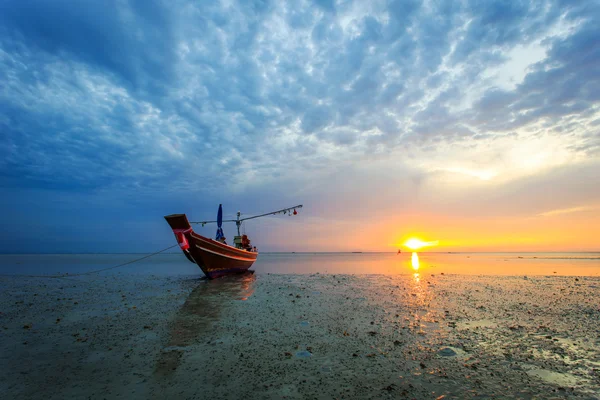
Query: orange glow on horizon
(456, 233)
(563, 232)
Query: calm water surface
(577, 264)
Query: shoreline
(328, 252)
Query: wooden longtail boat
(213, 257)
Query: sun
(415, 244)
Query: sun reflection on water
(415, 261)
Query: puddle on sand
(555, 378)
(201, 309)
(482, 323)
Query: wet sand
(318, 336)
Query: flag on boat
(220, 234)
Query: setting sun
(416, 244)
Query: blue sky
(374, 115)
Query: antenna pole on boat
(238, 221)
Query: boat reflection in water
(202, 308)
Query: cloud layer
(266, 102)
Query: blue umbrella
(220, 234)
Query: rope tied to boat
(67, 275)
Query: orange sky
(575, 231)
(554, 210)
(569, 232)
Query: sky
(474, 124)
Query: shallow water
(547, 264)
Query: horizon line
(318, 252)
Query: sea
(506, 264)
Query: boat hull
(215, 259)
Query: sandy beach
(266, 336)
